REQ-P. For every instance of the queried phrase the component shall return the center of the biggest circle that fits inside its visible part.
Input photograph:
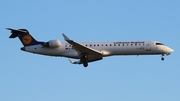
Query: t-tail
(24, 36)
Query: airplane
(88, 51)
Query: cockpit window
(159, 44)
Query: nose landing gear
(162, 57)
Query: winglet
(65, 37)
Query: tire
(85, 64)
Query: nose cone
(169, 50)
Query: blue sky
(29, 77)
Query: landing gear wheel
(162, 59)
(85, 64)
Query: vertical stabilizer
(24, 36)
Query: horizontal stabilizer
(13, 35)
(18, 30)
(15, 32)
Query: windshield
(159, 44)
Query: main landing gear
(84, 60)
(162, 57)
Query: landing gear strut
(162, 57)
(84, 60)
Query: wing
(93, 55)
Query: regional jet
(87, 52)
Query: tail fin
(24, 36)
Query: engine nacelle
(53, 44)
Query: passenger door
(148, 47)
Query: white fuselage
(106, 48)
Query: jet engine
(52, 44)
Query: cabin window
(118, 44)
(131, 44)
(102, 45)
(86, 45)
(106, 44)
(110, 44)
(135, 44)
(90, 45)
(123, 44)
(94, 45)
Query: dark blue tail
(24, 36)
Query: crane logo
(27, 39)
